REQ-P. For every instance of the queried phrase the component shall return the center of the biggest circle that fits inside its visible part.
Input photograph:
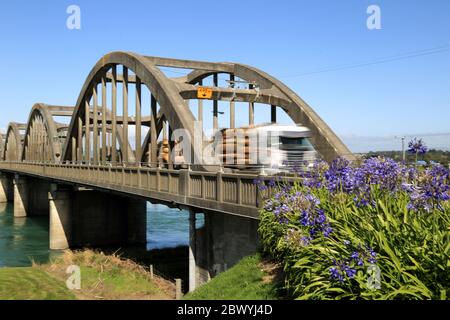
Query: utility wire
(173, 71)
(409, 55)
(404, 56)
(437, 134)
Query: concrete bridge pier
(38, 190)
(60, 203)
(218, 245)
(20, 196)
(6, 188)
(82, 217)
(30, 196)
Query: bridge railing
(232, 193)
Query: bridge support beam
(20, 196)
(217, 246)
(80, 218)
(60, 203)
(193, 255)
(5, 188)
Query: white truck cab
(268, 148)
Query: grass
(103, 277)
(31, 284)
(251, 279)
(109, 277)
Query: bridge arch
(12, 150)
(273, 91)
(87, 110)
(44, 135)
(96, 129)
(2, 144)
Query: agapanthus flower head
(417, 146)
(346, 267)
(340, 176)
(342, 270)
(315, 177)
(260, 183)
(312, 216)
(355, 255)
(429, 190)
(272, 183)
(336, 274)
(296, 237)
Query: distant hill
(440, 156)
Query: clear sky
(43, 61)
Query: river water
(23, 240)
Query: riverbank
(253, 278)
(113, 277)
(103, 277)
(28, 283)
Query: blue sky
(43, 61)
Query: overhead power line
(404, 56)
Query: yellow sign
(204, 93)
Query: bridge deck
(212, 191)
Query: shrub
(379, 230)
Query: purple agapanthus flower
(346, 268)
(340, 176)
(430, 190)
(417, 146)
(342, 270)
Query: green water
(22, 239)
(25, 239)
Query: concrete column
(92, 218)
(203, 252)
(4, 185)
(60, 203)
(192, 252)
(10, 194)
(38, 190)
(20, 196)
(137, 221)
(235, 238)
(101, 219)
(222, 242)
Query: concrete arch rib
(2, 144)
(54, 144)
(146, 143)
(325, 141)
(13, 142)
(164, 90)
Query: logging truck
(267, 148)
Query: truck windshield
(295, 143)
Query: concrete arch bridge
(93, 166)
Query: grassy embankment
(103, 277)
(31, 284)
(251, 279)
(109, 277)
